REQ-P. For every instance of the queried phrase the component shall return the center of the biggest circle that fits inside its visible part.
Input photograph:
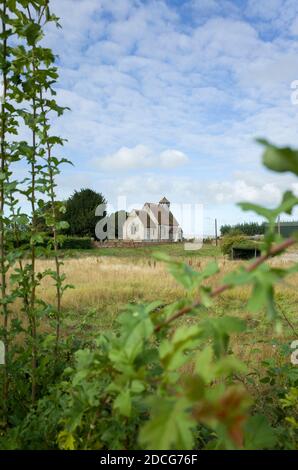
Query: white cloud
(127, 158)
(240, 190)
(172, 158)
(140, 157)
(136, 72)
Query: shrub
(229, 241)
(77, 243)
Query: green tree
(247, 228)
(80, 212)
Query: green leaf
(32, 32)
(228, 324)
(170, 426)
(203, 364)
(279, 159)
(258, 434)
(136, 328)
(123, 403)
(288, 202)
(228, 365)
(62, 225)
(36, 238)
(66, 441)
(220, 329)
(238, 277)
(260, 210)
(172, 352)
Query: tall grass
(104, 285)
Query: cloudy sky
(167, 98)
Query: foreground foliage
(165, 377)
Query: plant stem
(32, 313)
(4, 307)
(54, 230)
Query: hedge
(68, 243)
(77, 243)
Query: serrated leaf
(172, 352)
(169, 427)
(258, 434)
(123, 403)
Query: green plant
(80, 212)
(229, 241)
(79, 243)
(166, 377)
(29, 98)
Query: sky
(167, 98)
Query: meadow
(108, 279)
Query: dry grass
(103, 286)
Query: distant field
(174, 249)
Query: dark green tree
(80, 212)
(247, 228)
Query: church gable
(157, 223)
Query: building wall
(133, 229)
(151, 234)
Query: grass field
(107, 280)
(111, 278)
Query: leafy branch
(280, 248)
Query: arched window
(134, 228)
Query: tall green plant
(9, 154)
(28, 101)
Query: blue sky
(168, 96)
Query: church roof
(162, 214)
(145, 218)
(164, 200)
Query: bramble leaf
(169, 427)
(258, 435)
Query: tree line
(246, 228)
(78, 214)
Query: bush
(77, 243)
(46, 242)
(229, 241)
